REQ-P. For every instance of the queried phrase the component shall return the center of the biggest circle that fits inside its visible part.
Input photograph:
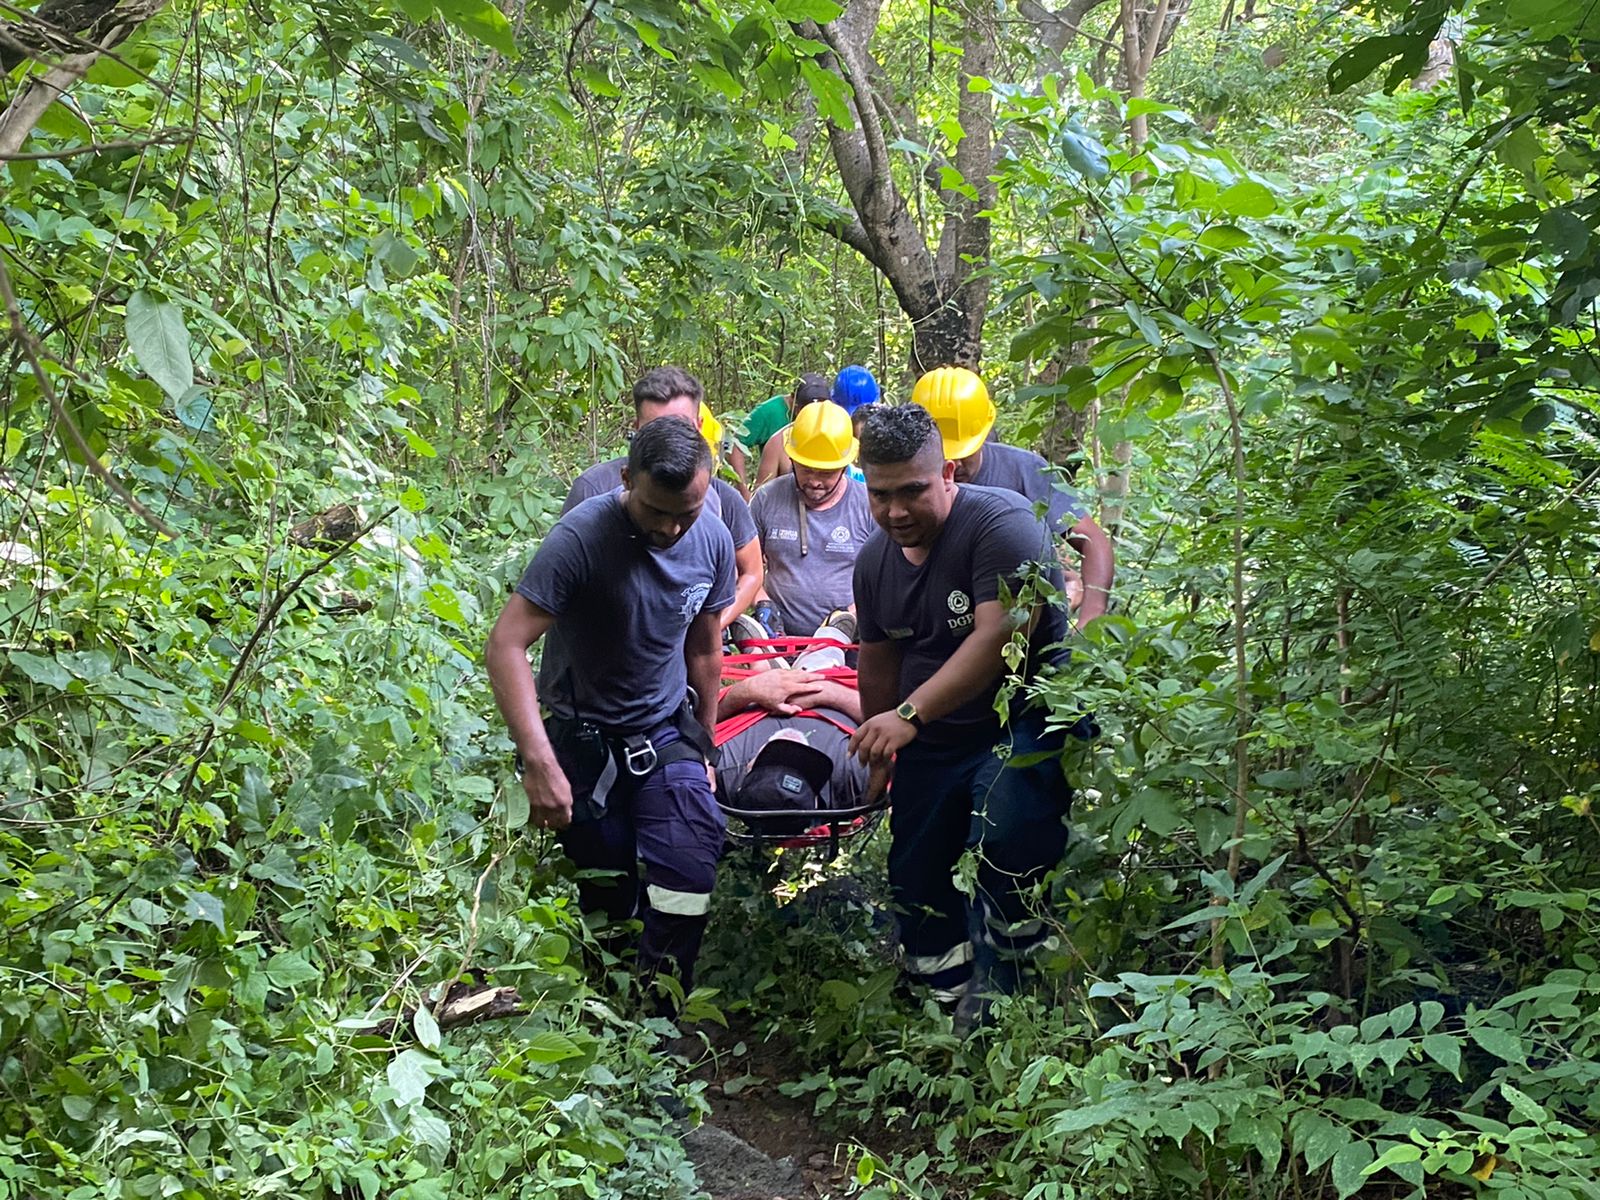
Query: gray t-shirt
(1030, 476)
(622, 608)
(846, 785)
(805, 588)
(722, 500)
(927, 610)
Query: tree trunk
(941, 289)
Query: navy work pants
(949, 797)
(668, 821)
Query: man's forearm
(878, 678)
(1097, 568)
(745, 588)
(976, 664)
(702, 657)
(517, 697)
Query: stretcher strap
(742, 722)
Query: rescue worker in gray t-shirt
(631, 584)
(814, 521)
(673, 392)
(960, 406)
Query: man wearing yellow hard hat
(960, 406)
(673, 392)
(813, 521)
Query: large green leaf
(482, 21)
(160, 343)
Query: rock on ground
(732, 1169)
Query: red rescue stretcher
(842, 823)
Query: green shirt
(765, 420)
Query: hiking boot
(844, 621)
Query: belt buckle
(632, 757)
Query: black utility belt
(590, 753)
(590, 745)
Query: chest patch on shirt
(694, 596)
(960, 605)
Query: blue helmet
(854, 387)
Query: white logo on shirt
(694, 597)
(840, 534)
(958, 602)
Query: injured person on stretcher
(784, 735)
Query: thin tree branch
(278, 601)
(170, 137)
(31, 351)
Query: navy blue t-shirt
(927, 610)
(622, 608)
(1029, 475)
(722, 500)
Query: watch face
(906, 712)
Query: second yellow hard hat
(959, 404)
(821, 437)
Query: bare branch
(30, 351)
(161, 139)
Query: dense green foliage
(1329, 922)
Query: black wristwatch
(908, 712)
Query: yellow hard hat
(959, 404)
(822, 437)
(710, 428)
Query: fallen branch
(464, 1003)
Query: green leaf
(481, 20)
(1085, 154)
(651, 36)
(160, 343)
(203, 906)
(1247, 198)
(832, 93)
(194, 408)
(1322, 1140)
(1400, 1152)
(1524, 1105)
(1445, 1050)
(1365, 57)
(548, 1046)
(1562, 233)
(443, 603)
(12, 445)
(820, 11)
(396, 255)
(426, 1027)
(78, 1108)
(1536, 419)
(410, 1074)
(289, 969)
(419, 444)
(1429, 1014)
(1501, 1043)
(40, 669)
(1349, 1167)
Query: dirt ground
(743, 1092)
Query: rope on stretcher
(755, 658)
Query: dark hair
(811, 388)
(661, 384)
(897, 435)
(859, 417)
(670, 451)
